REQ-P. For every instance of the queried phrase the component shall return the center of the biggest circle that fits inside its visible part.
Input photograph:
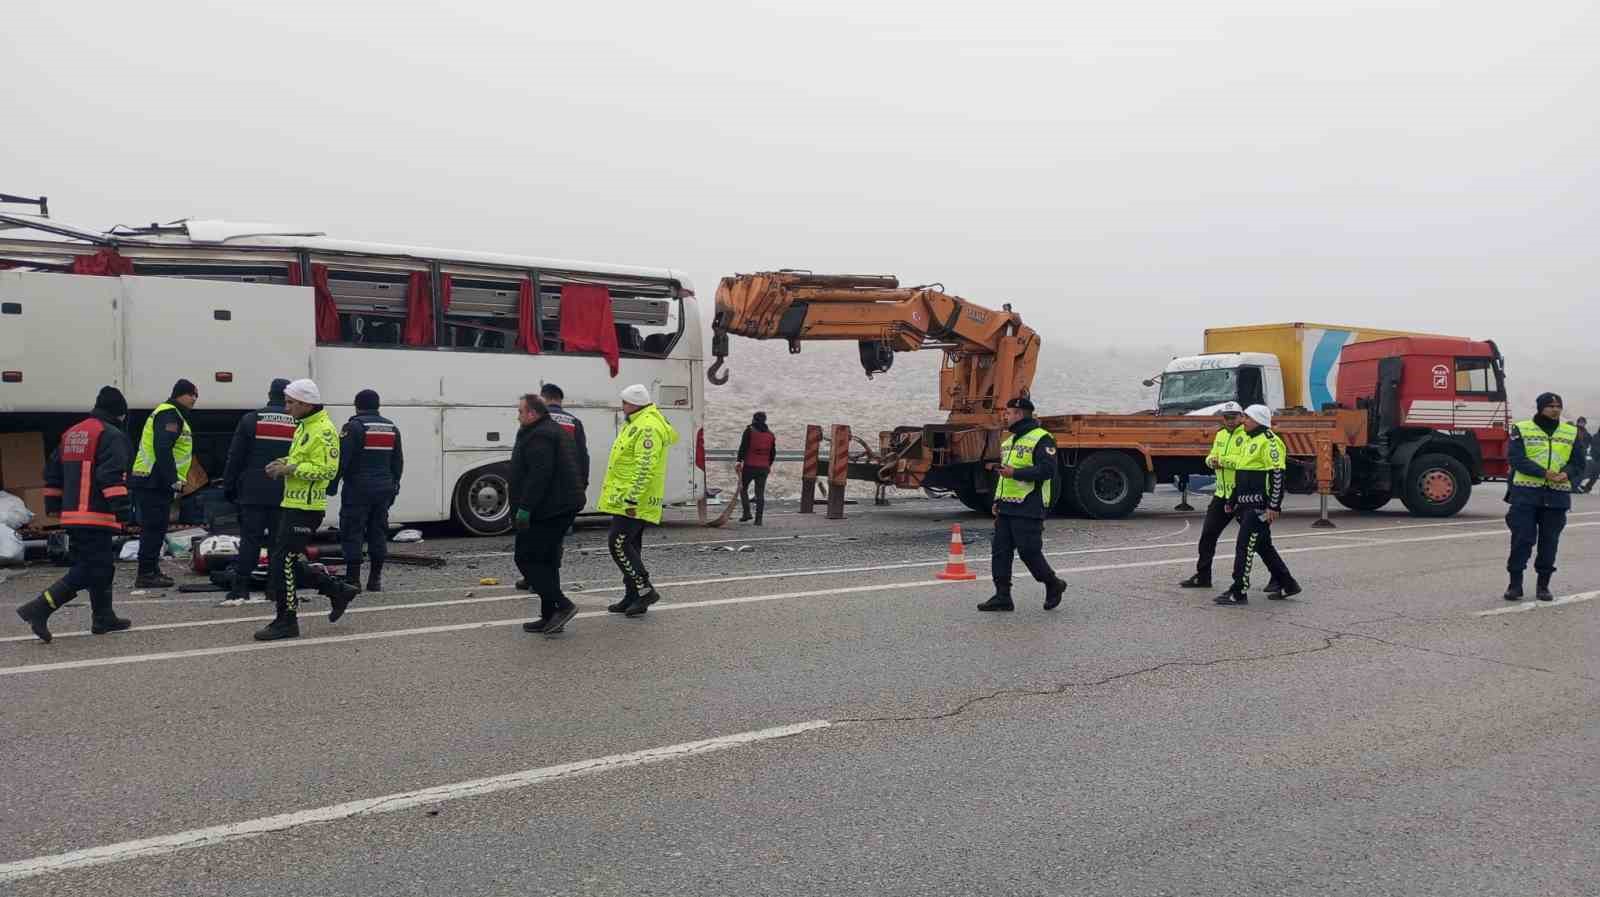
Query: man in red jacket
(757, 450)
(86, 483)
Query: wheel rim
(1110, 486)
(489, 498)
(1437, 485)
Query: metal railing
(732, 454)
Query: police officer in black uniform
(370, 463)
(261, 437)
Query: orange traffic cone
(956, 567)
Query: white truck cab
(1200, 384)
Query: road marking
(676, 605)
(1525, 606)
(602, 548)
(145, 848)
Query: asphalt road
(819, 715)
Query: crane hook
(712, 373)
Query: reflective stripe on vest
(1018, 452)
(1550, 452)
(182, 450)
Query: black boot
(285, 625)
(1541, 590)
(153, 579)
(536, 625)
(1282, 590)
(375, 578)
(559, 619)
(1514, 589)
(1053, 593)
(641, 604)
(1234, 595)
(339, 595)
(621, 607)
(1001, 600)
(105, 619)
(35, 613)
(1197, 581)
(352, 575)
(522, 584)
(1273, 586)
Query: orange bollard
(956, 567)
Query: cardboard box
(197, 479)
(22, 458)
(33, 497)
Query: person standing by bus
(371, 460)
(553, 397)
(312, 463)
(261, 436)
(757, 450)
(546, 496)
(86, 484)
(635, 483)
(160, 471)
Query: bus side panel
(198, 328)
(424, 492)
(62, 332)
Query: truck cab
(1199, 384)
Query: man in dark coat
(262, 436)
(546, 495)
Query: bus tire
(1436, 485)
(1108, 485)
(482, 501)
(1363, 501)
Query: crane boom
(990, 356)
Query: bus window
(371, 304)
(648, 320)
(482, 314)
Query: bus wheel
(1436, 485)
(482, 504)
(1108, 485)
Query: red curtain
(527, 333)
(587, 324)
(444, 293)
(106, 263)
(419, 311)
(327, 313)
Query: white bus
(449, 339)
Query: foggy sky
(1124, 172)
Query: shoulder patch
(1049, 449)
(173, 428)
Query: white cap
(1261, 414)
(1230, 408)
(304, 391)
(637, 394)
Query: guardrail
(733, 455)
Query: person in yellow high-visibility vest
(160, 469)
(634, 487)
(1545, 465)
(1230, 438)
(1023, 498)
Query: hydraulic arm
(989, 356)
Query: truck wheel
(1108, 485)
(1066, 496)
(1364, 501)
(1436, 485)
(978, 494)
(482, 503)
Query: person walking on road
(160, 470)
(546, 495)
(1219, 513)
(312, 463)
(1258, 487)
(635, 483)
(1591, 465)
(261, 436)
(757, 450)
(86, 484)
(1023, 498)
(1545, 463)
(371, 460)
(553, 397)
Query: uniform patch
(172, 428)
(1049, 450)
(647, 443)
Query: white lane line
(676, 605)
(600, 548)
(1525, 606)
(145, 848)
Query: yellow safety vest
(1262, 451)
(315, 456)
(636, 473)
(1550, 452)
(182, 451)
(1018, 452)
(1225, 444)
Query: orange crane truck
(1361, 453)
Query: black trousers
(258, 524)
(1255, 537)
(758, 477)
(287, 570)
(538, 551)
(1532, 525)
(626, 543)
(1023, 536)
(1217, 520)
(365, 521)
(93, 559)
(155, 508)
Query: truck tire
(1066, 496)
(1364, 501)
(978, 493)
(1436, 485)
(482, 501)
(1108, 485)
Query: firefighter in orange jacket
(86, 483)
